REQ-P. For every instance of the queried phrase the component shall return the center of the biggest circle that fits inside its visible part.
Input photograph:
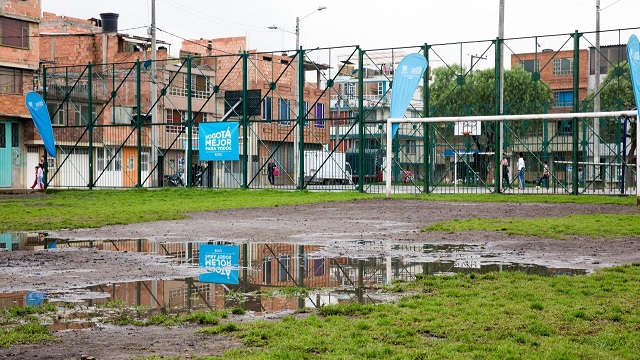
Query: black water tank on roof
(109, 22)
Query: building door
(6, 142)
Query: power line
(193, 42)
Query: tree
(456, 92)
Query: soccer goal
(464, 125)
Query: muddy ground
(393, 221)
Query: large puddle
(264, 278)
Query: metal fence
(319, 115)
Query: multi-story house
(377, 76)
(271, 81)
(19, 61)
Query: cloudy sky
(370, 24)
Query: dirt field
(395, 221)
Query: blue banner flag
(40, 114)
(405, 82)
(218, 141)
(35, 298)
(633, 56)
(222, 261)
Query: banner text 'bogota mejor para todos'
(218, 141)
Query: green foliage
(201, 318)
(220, 329)
(457, 92)
(25, 333)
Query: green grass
(592, 225)
(465, 316)
(23, 324)
(71, 209)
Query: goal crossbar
(560, 116)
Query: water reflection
(275, 277)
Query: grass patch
(493, 316)
(72, 209)
(592, 225)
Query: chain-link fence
(318, 116)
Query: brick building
(19, 60)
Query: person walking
(40, 165)
(270, 167)
(506, 183)
(40, 176)
(521, 169)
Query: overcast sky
(370, 24)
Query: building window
(563, 66)
(144, 160)
(15, 135)
(410, 147)
(284, 265)
(267, 109)
(350, 89)
(108, 160)
(563, 99)
(283, 111)
(10, 81)
(318, 267)
(57, 113)
(14, 32)
(82, 116)
(319, 116)
(531, 66)
(3, 136)
(266, 270)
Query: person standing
(40, 165)
(521, 169)
(545, 175)
(506, 183)
(270, 167)
(40, 176)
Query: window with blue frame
(319, 116)
(284, 111)
(267, 109)
(563, 98)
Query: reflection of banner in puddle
(35, 298)
(221, 261)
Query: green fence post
(497, 172)
(138, 120)
(360, 119)
(245, 266)
(45, 171)
(427, 163)
(90, 122)
(187, 170)
(301, 118)
(245, 120)
(301, 274)
(576, 108)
